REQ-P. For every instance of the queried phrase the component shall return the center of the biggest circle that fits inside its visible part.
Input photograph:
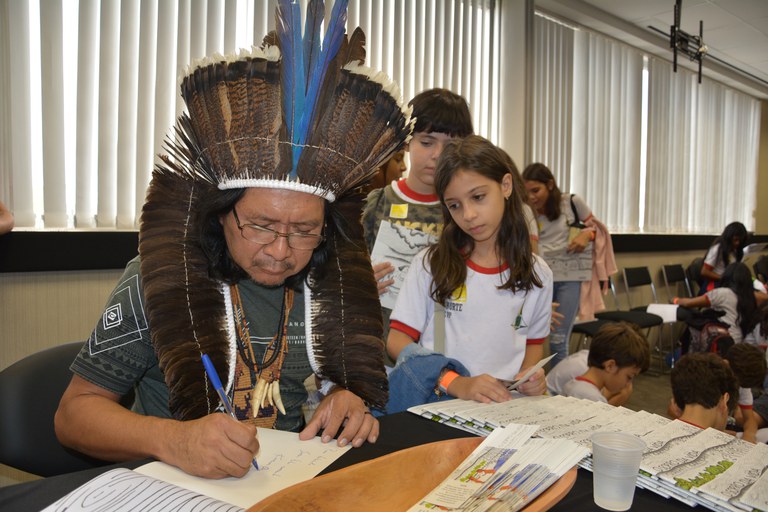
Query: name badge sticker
(398, 211)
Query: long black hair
(738, 278)
(731, 231)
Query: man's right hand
(91, 420)
(215, 446)
(380, 273)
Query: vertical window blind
(89, 88)
(673, 157)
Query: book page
(283, 459)
(397, 245)
(570, 266)
(123, 490)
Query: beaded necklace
(257, 385)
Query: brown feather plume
(346, 313)
(184, 306)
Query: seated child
(760, 411)
(748, 365)
(704, 390)
(617, 353)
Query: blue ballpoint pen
(211, 371)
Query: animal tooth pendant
(276, 398)
(266, 394)
(258, 395)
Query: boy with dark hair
(411, 203)
(617, 353)
(748, 365)
(704, 390)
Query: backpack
(713, 337)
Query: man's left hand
(344, 410)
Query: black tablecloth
(398, 431)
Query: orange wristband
(449, 377)
(675, 300)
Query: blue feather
(293, 77)
(334, 36)
(313, 32)
(305, 62)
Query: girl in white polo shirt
(496, 293)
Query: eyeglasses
(265, 236)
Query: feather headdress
(299, 113)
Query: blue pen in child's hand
(214, 376)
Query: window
(649, 149)
(86, 110)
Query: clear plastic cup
(615, 464)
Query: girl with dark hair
(556, 213)
(735, 297)
(482, 277)
(726, 248)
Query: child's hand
(580, 242)
(483, 388)
(534, 386)
(380, 272)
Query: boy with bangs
(617, 354)
(411, 202)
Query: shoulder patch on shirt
(123, 319)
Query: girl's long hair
(447, 258)
(734, 229)
(738, 278)
(541, 173)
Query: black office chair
(693, 271)
(673, 275)
(586, 331)
(30, 390)
(633, 277)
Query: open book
(284, 460)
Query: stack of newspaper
(698, 467)
(505, 472)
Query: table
(398, 431)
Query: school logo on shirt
(457, 300)
(460, 294)
(519, 323)
(398, 211)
